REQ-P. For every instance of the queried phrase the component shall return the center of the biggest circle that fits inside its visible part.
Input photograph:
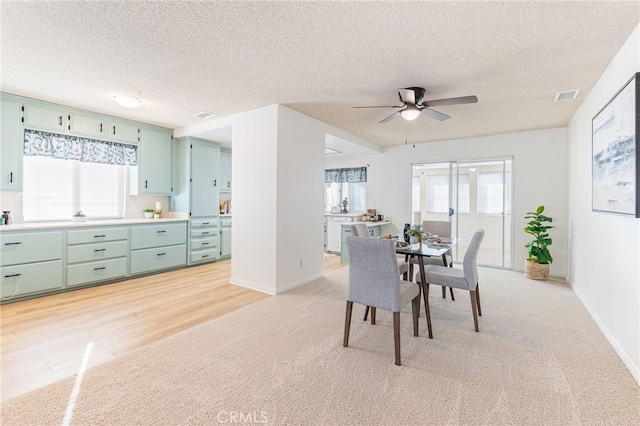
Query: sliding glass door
(472, 195)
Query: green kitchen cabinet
(46, 116)
(225, 170)
(11, 144)
(155, 161)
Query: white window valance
(76, 148)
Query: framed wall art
(616, 153)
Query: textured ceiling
(319, 58)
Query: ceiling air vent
(569, 95)
(204, 115)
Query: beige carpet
(539, 359)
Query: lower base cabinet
(153, 259)
(104, 270)
(19, 280)
(155, 247)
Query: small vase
(414, 240)
(148, 215)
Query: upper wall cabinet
(11, 144)
(124, 131)
(41, 116)
(154, 159)
(225, 170)
(90, 125)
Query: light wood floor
(44, 340)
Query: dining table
(428, 248)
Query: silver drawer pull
(160, 232)
(12, 244)
(206, 255)
(205, 244)
(161, 254)
(13, 275)
(100, 250)
(205, 223)
(205, 233)
(98, 269)
(99, 236)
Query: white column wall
(254, 176)
(539, 173)
(604, 265)
(300, 199)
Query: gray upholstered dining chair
(374, 281)
(361, 230)
(463, 279)
(441, 228)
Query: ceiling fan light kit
(413, 105)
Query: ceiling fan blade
(379, 106)
(407, 95)
(435, 114)
(394, 115)
(452, 101)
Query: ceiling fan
(413, 104)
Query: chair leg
(444, 292)
(415, 310)
(473, 309)
(451, 291)
(425, 294)
(373, 315)
(366, 313)
(478, 299)
(347, 323)
(396, 335)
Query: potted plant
(539, 261)
(414, 233)
(79, 216)
(156, 214)
(345, 203)
(148, 213)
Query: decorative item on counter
(148, 213)
(7, 219)
(345, 203)
(156, 214)
(158, 210)
(79, 216)
(223, 207)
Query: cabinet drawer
(96, 235)
(204, 232)
(97, 251)
(158, 258)
(36, 277)
(204, 243)
(96, 271)
(147, 236)
(204, 223)
(26, 247)
(203, 256)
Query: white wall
(539, 173)
(605, 248)
(278, 172)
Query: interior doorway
(472, 195)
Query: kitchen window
(349, 183)
(56, 183)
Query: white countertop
(378, 223)
(70, 224)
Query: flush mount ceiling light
(410, 113)
(129, 101)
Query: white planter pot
(148, 215)
(414, 240)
